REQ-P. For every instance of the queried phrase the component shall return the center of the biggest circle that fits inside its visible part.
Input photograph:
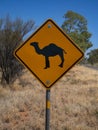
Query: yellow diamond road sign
(48, 53)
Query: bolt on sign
(48, 53)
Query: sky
(41, 10)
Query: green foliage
(93, 56)
(75, 26)
(11, 34)
(96, 113)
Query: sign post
(48, 53)
(47, 123)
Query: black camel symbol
(48, 51)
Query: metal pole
(47, 124)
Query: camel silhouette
(49, 51)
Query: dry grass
(74, 102)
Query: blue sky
(41, 10)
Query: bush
(11, 34)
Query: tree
(11, 34)
(93, 56)
(75, 26)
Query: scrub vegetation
(74, 102)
